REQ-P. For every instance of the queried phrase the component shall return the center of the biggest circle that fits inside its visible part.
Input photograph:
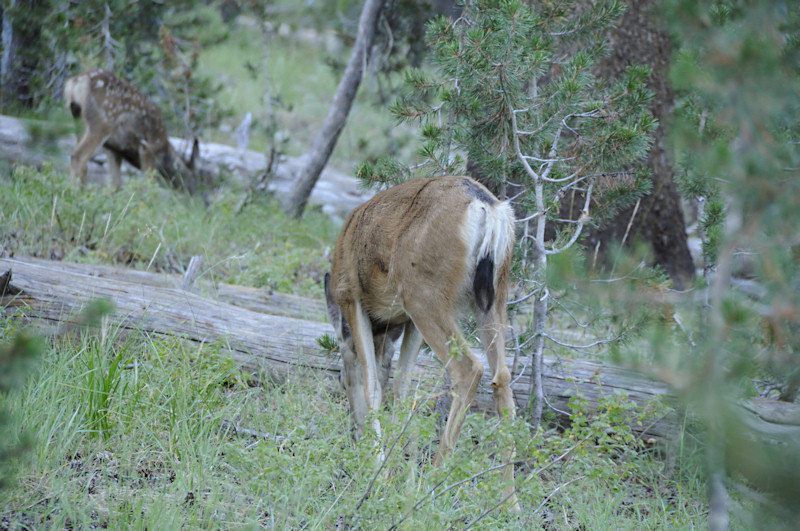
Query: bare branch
(547, 498)
(554, 408)
(584, 347)
(579, 227)
(532, 216)
(524, 298)
(623, 277)
(537, 159)
(553, 153)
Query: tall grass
(147, 226)
(136, 431)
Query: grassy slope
(301, 85)
(147, 445)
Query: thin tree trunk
(7, 55)
(536, 400)
(340, 109)
(20, 64)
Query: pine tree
(737, 138)
(513, 93)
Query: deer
(130, 127)
(412, 260)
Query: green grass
(303, 83)
(150, 227)
(135, 431)
(152, 446)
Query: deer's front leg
(352, 380)
(147, 158)
(409, 349)
(361, 330)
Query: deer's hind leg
(409, 349)
(92, 139)
(492, 333)
(97, 130)
(443, 335)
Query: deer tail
(492, 242)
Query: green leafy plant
(19, 353)
(101, 365)
(736, 136)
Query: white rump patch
(488, 230)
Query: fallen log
(255, 299)
(264, 334)
(52, 294)
(25, 142)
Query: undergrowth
(300, 87)
(144, 432)
(135, 431)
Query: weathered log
(52, 294)
(264, 335)
(337, 193)
(255, 299)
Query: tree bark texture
(327, 137)
(637, 39)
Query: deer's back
(408, 238)
(131, 117)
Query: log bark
(52, 294)
(254, 299)
(254, 328)
(638, 39)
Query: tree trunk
(326, 139)
(536, 396)
(19, 63)
(637, 39)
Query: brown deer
(413, 258)
(128, 126)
